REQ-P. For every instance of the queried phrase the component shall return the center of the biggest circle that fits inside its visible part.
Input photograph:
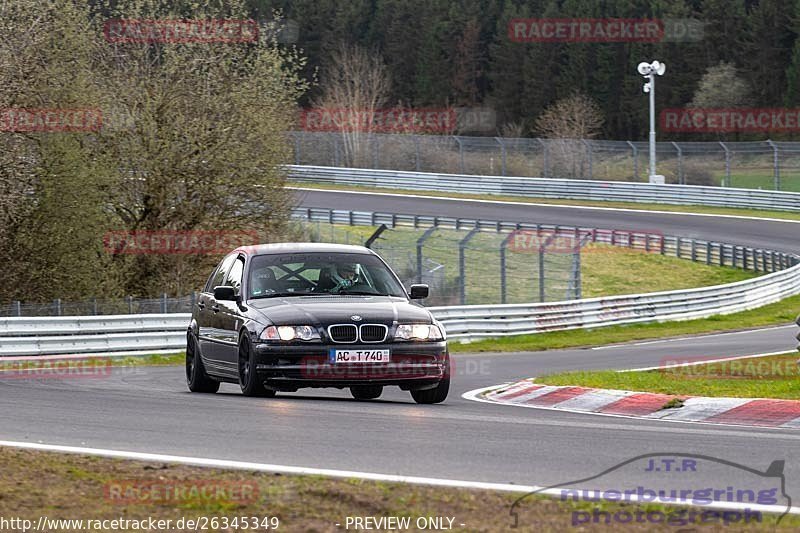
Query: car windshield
(301, 274)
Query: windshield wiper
(361, 293)
(282, 294)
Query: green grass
(66, 486)
(762, 377)
(733, 211)
(609, 270)
(605, 270)
(782, 312)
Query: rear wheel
(248, 379)
(196, 377)
(366, 392)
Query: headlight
(418, 332)
(290, 333)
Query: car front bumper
(413, 365)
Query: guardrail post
(502, 155)
(416, 153)
(462, 264)
(589, 157)
(635, 160)
(721, 254)
(545, 159)
(708, 253)
(726, 182)
(460, 153)
(503, 285)
(337, 156)
(94, 306)
(130, 305)
(296, 149)
(542, 248)
(17, 307)
(694, 250)
(681, 179)
(57, 306)
(163, 302)
(775, 164)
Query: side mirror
(224, 293)
(418, 291)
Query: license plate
(358, 356)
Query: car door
(230, 317)
(208, 320)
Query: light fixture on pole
(649, 71)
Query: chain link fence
(462, 267)
(750, 165)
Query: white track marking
(477, 395)
(392, 478)
(705, 361)
(694, 337)
(536, 204)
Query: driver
(263, 282)
(347, 274)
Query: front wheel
(437, 394)
(196, 377)
(248, 378)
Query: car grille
(348, 333)
(373, 332)
(343, 333)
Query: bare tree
(721, 86)
(355, 87)
(568, 123)
(193, 138)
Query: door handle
(201, 305)
(215, 308)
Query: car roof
(303, 247)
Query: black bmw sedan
(279, 317)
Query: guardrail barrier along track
(157, 332)
(550, 188)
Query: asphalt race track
(148, 409)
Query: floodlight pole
(652, 82)
(650, 71)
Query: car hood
(326, 310)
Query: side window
(234, 278)
(219, 276)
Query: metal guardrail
(550, 188)
(766, 164)
(158, 332)
(93, 334)
(708, 252)
(149, 333)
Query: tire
(248, 379)
(437, 394)
(366, 392)
(196, 377)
